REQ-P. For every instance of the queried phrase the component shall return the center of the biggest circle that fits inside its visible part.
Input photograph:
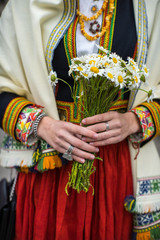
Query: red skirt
(45, 212)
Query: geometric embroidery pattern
(146, 222)
(149, 186)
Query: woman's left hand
(112, 127)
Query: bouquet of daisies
(101, 77)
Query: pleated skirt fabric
(45, 212)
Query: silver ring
(107, 126)
(68, 153)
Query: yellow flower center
(133, 68)
(145, 69)
(85, 74)
(110, 75)
(80, 68)
(114, 60)
(100, 56)
(120, 79)
(132, 62)
(94, 69)
(106, 64)
(92, 61)
(136, 79)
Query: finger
(78, 136)
(86, 154)
(104, 135)
(75, 129)
(100, 118)
(80, 153)
(102, 127)
(109, 141)
(99, 127)
(60, 149)
(78, 159)
(78, 143)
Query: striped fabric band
(154, 109)
(120, 104)
(58, 32)
(11, 114)
(142, 33)
(70, 41)
(142, 47)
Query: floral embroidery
(24, 130)
(146, 122)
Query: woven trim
(142, 33)
(147, 229)
(70, 112)
(58, 32)
(142, 46)
(120, 104)
(154, 109)
(11, 114)
(70, 41)
(146, 222)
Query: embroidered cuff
(147, 125)
(154, 109)
(12, 113)
(24, 127)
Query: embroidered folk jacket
(24, 72)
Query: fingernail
(82, 161)
(95, 135)
(92, 156)
(83, 121)
(97, 149)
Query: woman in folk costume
(38, 36)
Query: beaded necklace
(83, 18)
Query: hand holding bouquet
(101, 77)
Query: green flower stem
(97, 98)
(67, 84)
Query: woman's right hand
(60, 135)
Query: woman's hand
(120, 125)
(60, 135)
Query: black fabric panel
(157, 100)
(60, 65)
(125, 35)
(5, 99)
